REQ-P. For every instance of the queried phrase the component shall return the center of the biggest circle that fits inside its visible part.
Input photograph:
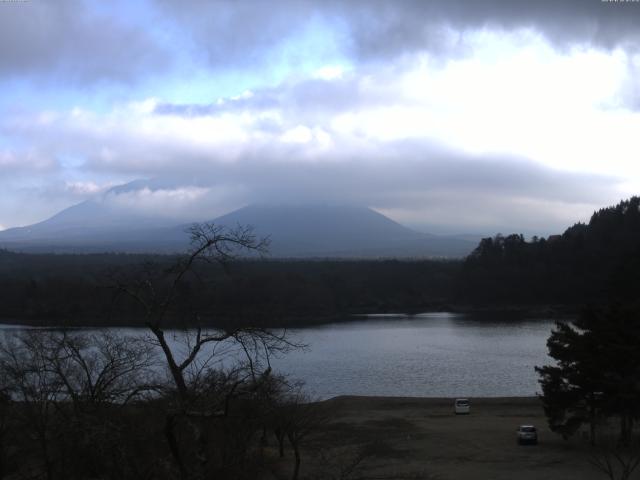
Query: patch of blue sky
(29, 95)
(190, 78)
(194, 81)
(71, 161)
(125, 10)
(320, 43)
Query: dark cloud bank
(238, 31)
(66, 42)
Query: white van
(461, 406)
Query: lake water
(429, 355)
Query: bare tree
(616, 459)
(63, 387)
(5, 412)
(296, 418)
(201, 388)
(30, 383)
(100, 368)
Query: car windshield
(462, 403)
(528, 429)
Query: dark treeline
(598, 262)
(79, 289)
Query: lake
(428, 355)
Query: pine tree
(597, 373)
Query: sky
(449, 116)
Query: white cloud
(183, 203)
(403, 137)
(298, 134)
(329, 72)
(29, 160)
(86, 188)
(559, 109)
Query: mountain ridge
(301, 231)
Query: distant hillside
(295, 231)
(90, 226)
(588, 263)
(340, 231)
(83, 221)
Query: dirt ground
(421, 438)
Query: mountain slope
(339, 231)
(83, 220)
(295, 231)
(90, 226)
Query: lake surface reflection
(428, 355)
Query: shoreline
(512, 312)
(434, 400)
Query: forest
(80, 289)
(594, 263)
(589, 263)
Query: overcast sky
(449, 116)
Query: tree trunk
(170, 435)
(2, 455)
(48, 464)
(625, 429)
(202, 441)
(280, 436)
(176, 373)
(296, 453)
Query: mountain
(340, 231)
(82, 221)
(90, 226)
(295, 231)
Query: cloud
(512, 134)
(390, 28)
(85, 188)
(566, 110)
(237, 33)
(183, 203)
(25, 161)
(232, 33)
(207, 165)
(437, 190)
(313, 98)
(79, 42)
(68, 41)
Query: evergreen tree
(597, 373)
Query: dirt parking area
(423, 438)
